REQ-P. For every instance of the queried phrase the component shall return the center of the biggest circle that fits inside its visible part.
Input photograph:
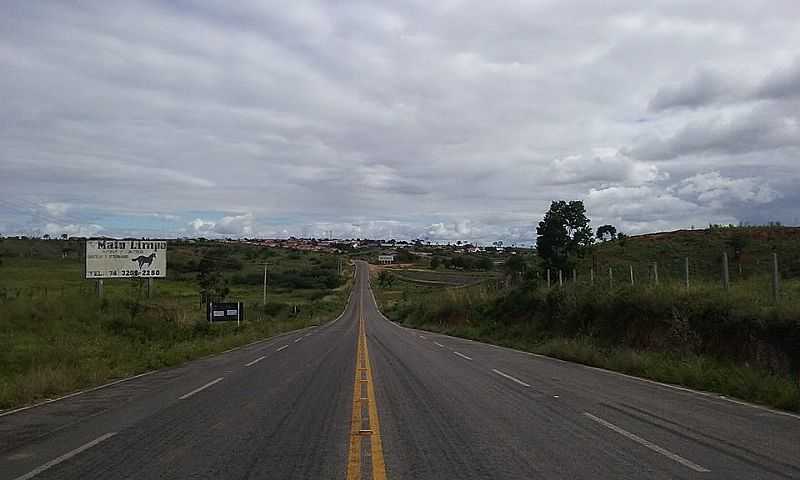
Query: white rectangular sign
(126, 258)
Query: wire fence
(769, 277)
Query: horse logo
(148, 260)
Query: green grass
(704, 249)
(56, 336)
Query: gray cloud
(759, 129)
(783, 83)
(703, 88)
(383, 119)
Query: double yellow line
(363, 428)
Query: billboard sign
(126, 259)
(225, 312)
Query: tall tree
(606, 233)
(563, 234)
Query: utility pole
(686, 271)
(726, 278)
(264, 301)
(775, 278)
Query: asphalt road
(362, 397)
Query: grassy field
(57, 336)
(441, 277)
(749, 251)
(736, 342)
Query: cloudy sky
(443, 120)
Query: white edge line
(282, 348)
(66, 456)
(462, 355)
(708, 395)
(200, 389)
(255, 361)
(438, 344)
(88, 390)
(140, 375)
(513, 379)
(646, 443)
(297, 339)
(126, 379)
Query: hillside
(749, 252)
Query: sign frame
(225, 312)
(108, 258)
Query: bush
(700, 322)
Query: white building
(385, 259)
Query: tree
(213, 285)
(622, 238)
(514, 264)
(385, 279)
(563, 234)
(436, 262)
(485, 263)
(606, 233)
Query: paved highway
(362, 397)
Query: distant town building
(386, 259)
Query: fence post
(775, 278)
(574, 276)
(655, 272)
(560, 279)
(631, 267)
(591, 276)
(548, 278)
(686, 271)
(610, 277)
(726, 277)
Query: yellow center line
(356, 431)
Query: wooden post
(591, 276)
(686, 271)
(655, 272)
(548, 278)
(726, 277)
(631, 268)
(99, 288)
(574, 276)
(610, 277)
(149, 287)
(264, 297)
(560, 279)
(775, 278)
